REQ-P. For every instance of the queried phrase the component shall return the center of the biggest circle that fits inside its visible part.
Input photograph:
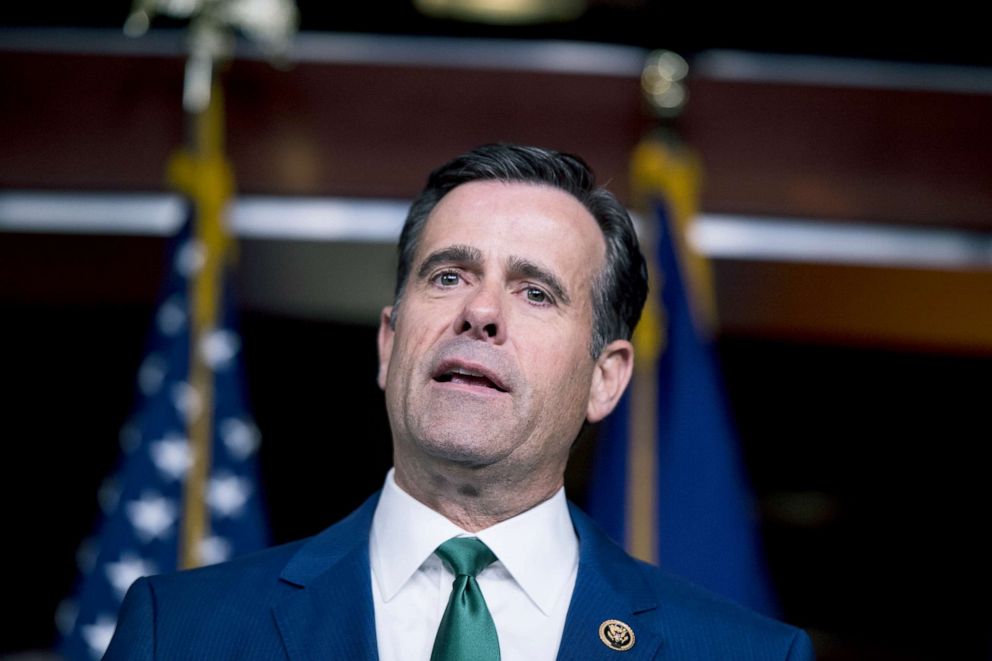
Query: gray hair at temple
(619, 290)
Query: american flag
(142, 528)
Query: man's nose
(482, 316)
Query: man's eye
(535, 295)
(447, 279)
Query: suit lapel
(325, 610)
(609, 586)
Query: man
(518, 287)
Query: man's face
(489, 359)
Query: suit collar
(329, 547)
(610, 586)
(325, 611)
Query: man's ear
(385, 343)
(610, 378)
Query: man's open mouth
(468, 377)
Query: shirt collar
(538, 548)
(404, 534)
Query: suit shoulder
(693, 622)
(219, 611)
(228, 610)
(692, 611)
(253, 580)
(251, 575)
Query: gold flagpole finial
(663, 81)
(212, 25)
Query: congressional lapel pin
(616, 635)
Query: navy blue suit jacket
(313, 600)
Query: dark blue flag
(671, 441)
(142, 531)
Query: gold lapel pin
(616, 635)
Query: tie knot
(466, 556)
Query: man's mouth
(468, 376)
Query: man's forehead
(520, 216)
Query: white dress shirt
(527, 589)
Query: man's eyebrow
(524, 268)
(457, 254)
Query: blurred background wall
(847, 211)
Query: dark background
(952, 33)
(891, 563)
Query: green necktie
(467, 632)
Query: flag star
(227, 494)
(187, 401)
(171, 316)
(123, 573)
(190, 258)
(152, 516)
(98, 634)
(172, 456)
(241, 438)
(151, 374)
(218, 347)
(214, 550)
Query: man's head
(512, 267)
(621, 286)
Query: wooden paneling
(109, 122)
(892, 156)
(375, 128)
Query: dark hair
(618, 291)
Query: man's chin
(465, 430)
(464, 446)
(472, 411)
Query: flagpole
(202, 172)
(659, 164)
